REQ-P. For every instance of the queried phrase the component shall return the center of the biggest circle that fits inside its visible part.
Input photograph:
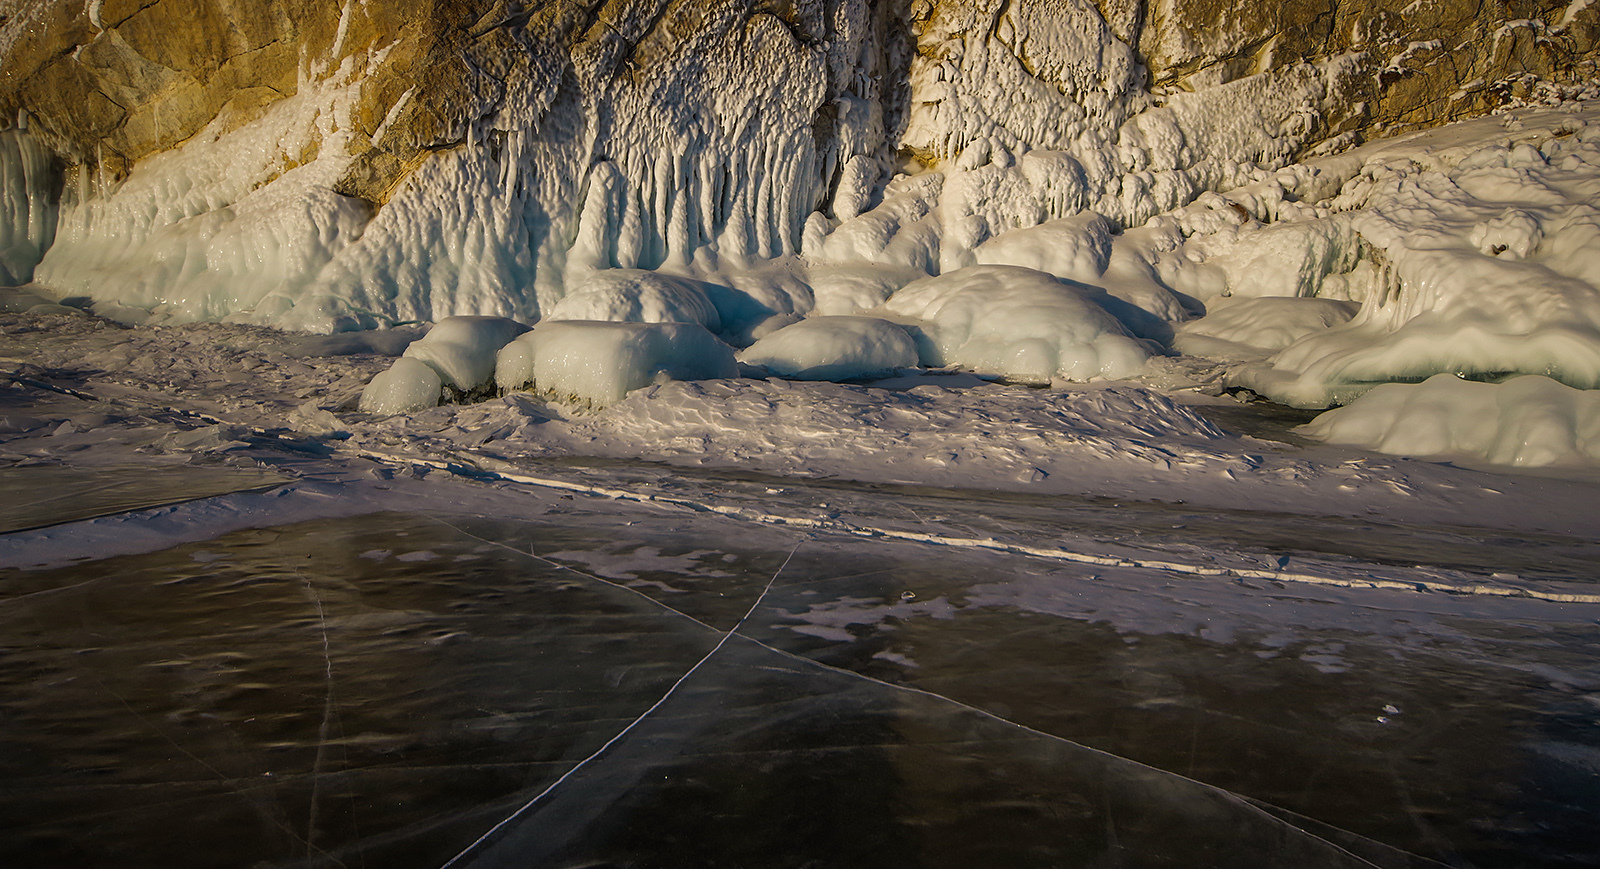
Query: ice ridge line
(466, 467)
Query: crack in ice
(1240, 799)
(833, 524)
(729, 634)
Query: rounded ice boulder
(1527, 421)
(1016, 322)
(597, 362)
(638, 296)
(834, 348)
(1251, 328)
(462, 349)
(409, 385)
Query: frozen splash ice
(616, 144)
(1478, 260)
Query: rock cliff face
(325, 165)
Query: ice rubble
(1528, 421)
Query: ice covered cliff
(323, 166)
(1109, 171)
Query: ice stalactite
(691, 152)
(29, 197)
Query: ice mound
(408, 385)
(597, 363)
(1528, 421)
(462, 349)
(1077, 248)
(1487, 264)
(1016, 322)
(841, 290)
(834, 348)
(1255, 328)
(760, 301)
(638, 296)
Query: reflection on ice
(39, 496)
(322, 694)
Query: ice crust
(834, 348)
(597, 363)
(704, 169)
(1018, 323)
(1528, 421)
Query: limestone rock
(1401, 65)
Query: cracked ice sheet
(42, 495)
(465, 683)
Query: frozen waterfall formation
(1035, 188)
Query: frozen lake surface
(615, 683)
(939, 622)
